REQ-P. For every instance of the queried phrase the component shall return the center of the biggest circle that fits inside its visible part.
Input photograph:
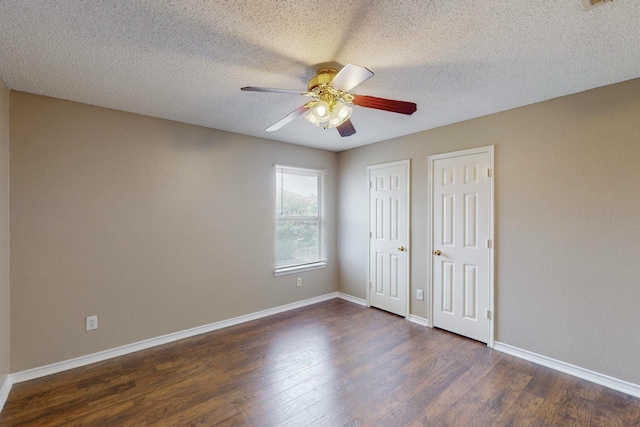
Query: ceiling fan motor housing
(323, 77)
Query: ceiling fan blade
(290, 117)
(346, 129)
(349, 77)
(401, 107)
(272, 90)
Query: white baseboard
(352, 299)
(567, 368)
(419, 320)
(4, 390)
(42, 371)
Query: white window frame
(321, 262)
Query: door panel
(461, 215)
(447, 287)
(389, 237)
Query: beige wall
(157, 226)
(4, 231)
(567, 223)
(152, 225)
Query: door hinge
(489, 243)
(370, 234)
(489, 314)
(370, 184)
(488, 172)
(370, 285)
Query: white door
(462, 262)
(389, 237)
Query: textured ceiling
(186, 60)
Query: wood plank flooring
(330, 364)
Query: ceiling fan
(331, 102)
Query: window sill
(299, 268)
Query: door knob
(401, 248)
(437, 252)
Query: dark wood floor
(330, 364)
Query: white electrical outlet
(299, 281)
(419, 294)
(92, 323)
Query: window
(299, 220)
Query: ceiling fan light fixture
(322, 111)
(340, 114)
(313, 118)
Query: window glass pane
(296, 194)
(297, 242)
(299, 238)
